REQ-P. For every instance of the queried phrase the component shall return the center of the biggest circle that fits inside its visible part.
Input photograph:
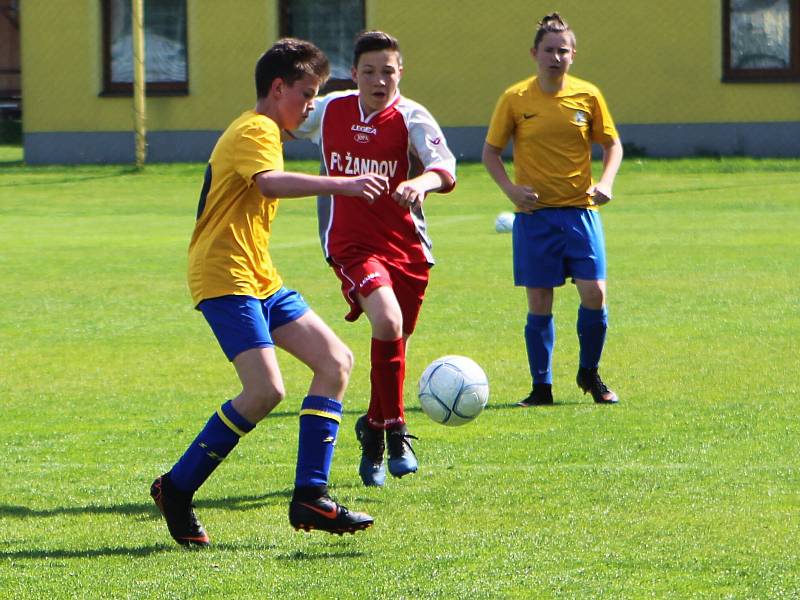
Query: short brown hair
(290, 59)
(552, 23)
(370, 41)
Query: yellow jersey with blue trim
(552, 136)
(229, 250)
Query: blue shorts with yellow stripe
(243, 322)
(553, 244)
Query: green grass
(687, 488)
(10, 155)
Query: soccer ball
(453, 390)
(504, 222)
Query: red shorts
(363, 275)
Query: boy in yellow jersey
(237, 288)
(553, 119)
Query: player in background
(240, 293)
(381, 251)
(553, 119)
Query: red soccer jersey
(400, 142)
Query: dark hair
(370, 41)
(289, 59)
(552, 23)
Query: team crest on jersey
(580, 117)
(363, 132)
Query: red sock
(386, 375)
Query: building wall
(659, 65)
(63, 76)
(656, 62)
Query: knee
(389, 326)
(540, 301)
(594, 298)
(337, 366)
(259, 400)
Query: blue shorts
(243, 322)
(552, 244)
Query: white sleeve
(311, 128)
(427, 142)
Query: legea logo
(364, 129)
(362, 133)
(367, 278)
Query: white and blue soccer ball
(453, 390)
(504, 222)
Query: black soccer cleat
(326, 515)
(371, 468)
(178, 512)
(589, 381)
(402, 459)
(541, 395)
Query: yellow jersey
(229, 250)
(553, 135)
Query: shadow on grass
(92, 553)
(144, 551)
(234, 503)
(231, 503)
(147, 509)
(513, 404)
(303, 555)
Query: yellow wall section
(226, 39)
(656, 62)
(62, 67)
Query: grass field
(687, 488)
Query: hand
(523, 197)
(600, 193)
(370, 186)
(407, 194)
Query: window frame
(11, 93)
(731, 74)
(154, 88)
(334, 83)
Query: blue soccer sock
(592, 326)
(540, 336)
(209, 448)
(319, 425)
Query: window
(332, 25)
(165, 65)
(9, 59)
(761, 40)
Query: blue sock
(540, 335)
(209, 449)
(319, 424)
(592, 326)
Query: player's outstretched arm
(413, 191)
(522, 196)
(612, 158)
(284, 184)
